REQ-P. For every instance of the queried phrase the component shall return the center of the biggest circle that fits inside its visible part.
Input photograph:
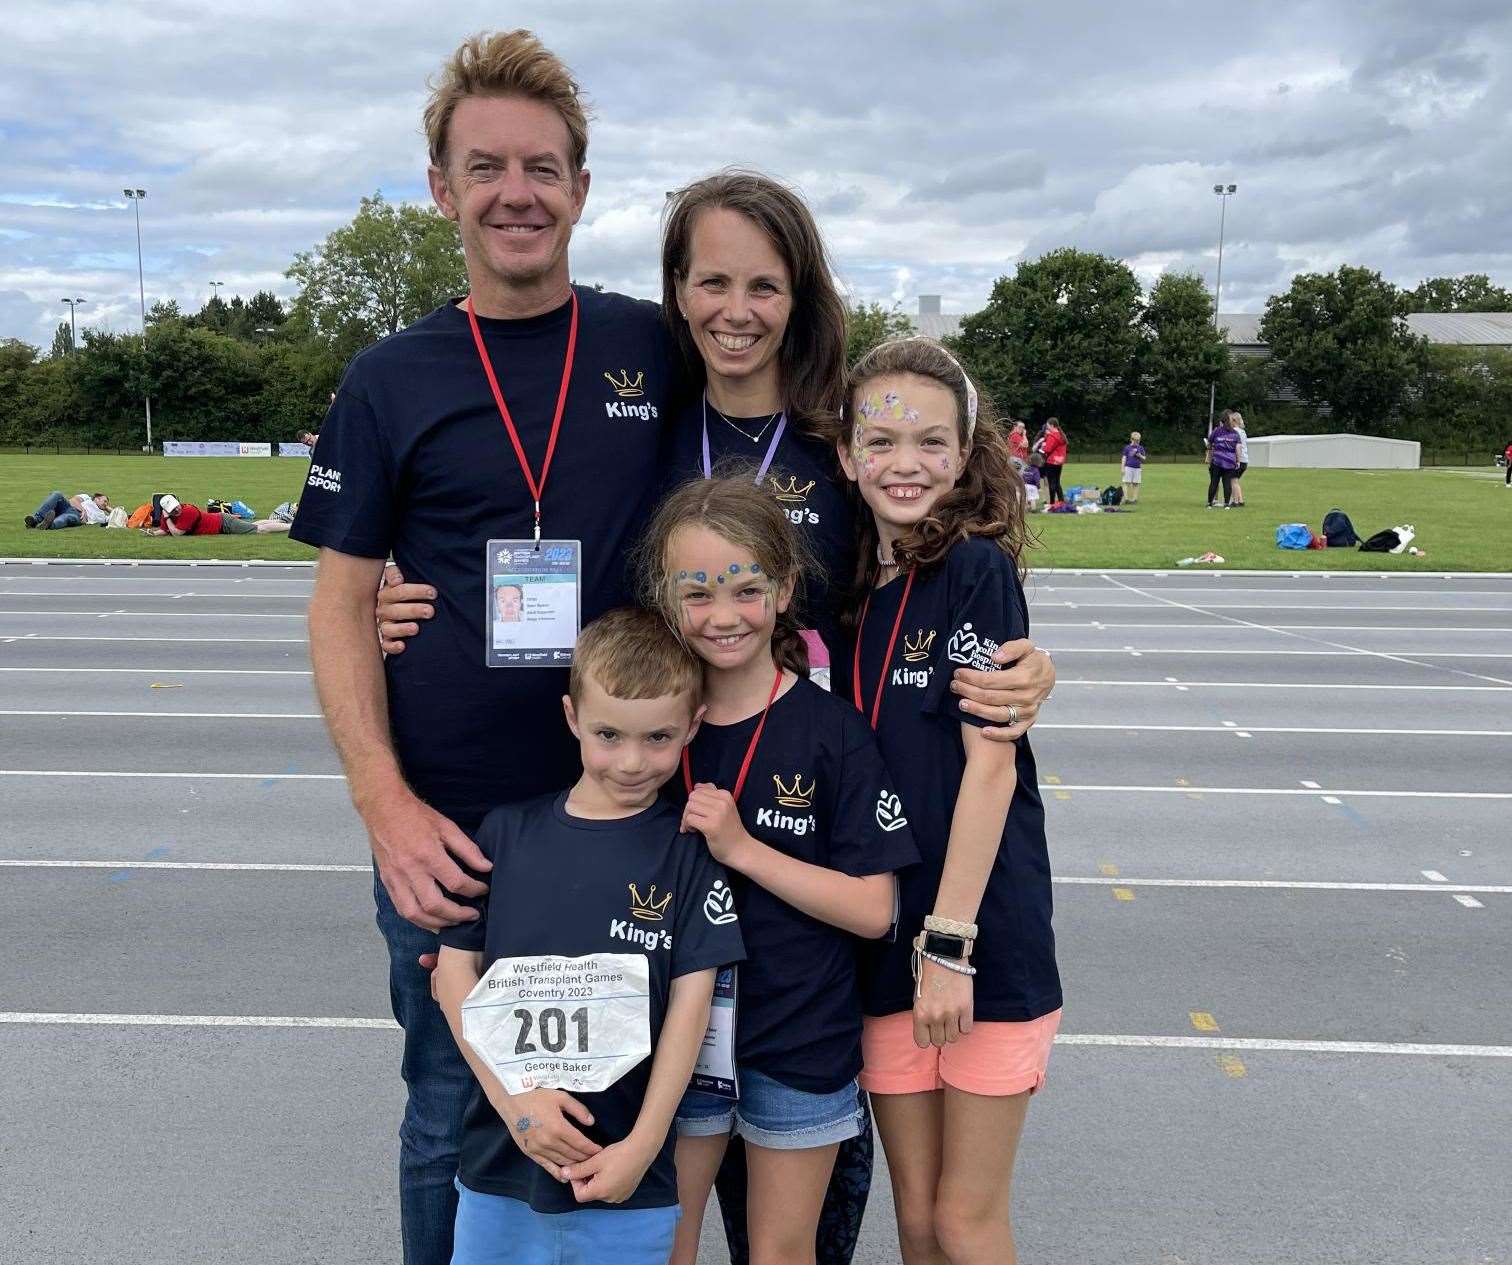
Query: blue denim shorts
(773, 1115)
(497, 1230)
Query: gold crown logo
(918, 647)
(791, 492)
(796, 795)
(624, 387)
(648, 909)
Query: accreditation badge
(550, 1022)
(714, 1072)
(533, 607)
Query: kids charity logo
(975, 652)
(890, 811)
(719, 905)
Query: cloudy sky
(939, 144)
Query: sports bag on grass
(1293, 536)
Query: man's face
(630, 746)
(510, 601)
(509, 184)
(101, 500)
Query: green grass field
(1463, 517)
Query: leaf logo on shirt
(890, 811)
(719, 905)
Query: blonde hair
(631, 653)
(734, 509)
(987, 500)
(505, 64)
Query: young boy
(1133, 469)
(597, 943)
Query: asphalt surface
(1270, 798)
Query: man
(434, 738)
(535, 406)
(58, 511)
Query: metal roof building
(1455, 329)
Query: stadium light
(135, 196)
(215, 290)
(73, 324)
(1224, 192)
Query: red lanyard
(745, 765)
(537, 490)
(892, 642)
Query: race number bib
(549, 1022)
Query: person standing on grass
(531, 410)
(1018, 445)
(1236, 420)
(1223, 459)
(1053, 446)
(1507, 457)
(1133, 468)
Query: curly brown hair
(988, 499)
(731, 506)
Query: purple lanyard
(766, 462)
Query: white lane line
(174, 593)
(1469, 902)
(172, 672)
(1314, 785)
(215, 614)
(170, 715)
(1044, 787)
(1322, 641)
(236, 777)
(288, 564)
(1280, 685)
(1421, 1049)
(1205, 607)
(1152, 626)
(1068, 880)
(1225, 728)
(1232, 652)
(194, 1021)
(240, 641)
(1329, 799)
(1297, 1047)
(1433, 875)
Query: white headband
(971, 395)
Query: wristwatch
(937, 942)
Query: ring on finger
(1013, 714)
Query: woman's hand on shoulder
(1011, 696)
(399, 609)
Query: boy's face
(630, 746)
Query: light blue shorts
(497, 1230)
(773, 1115)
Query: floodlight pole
(1224, 192)
(73, 324)
(135, 196)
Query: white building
(1334, 452)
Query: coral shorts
(996, 1060)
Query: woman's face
(736, 297)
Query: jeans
(60, 505)
(440, 1087)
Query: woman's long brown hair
(988, 500)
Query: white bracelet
(950, 927)
(960, 968)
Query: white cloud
(938, 144)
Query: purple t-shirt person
(1031, 476)
(1223, 448)
(1133, 456)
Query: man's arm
(413, 844)
(614, 1173)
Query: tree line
(1071, 334)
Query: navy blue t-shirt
(958, 613)
(574, 886)
(805, 478)
(414, 459)
(817, 790)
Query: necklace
(739, 430)
(884, 562)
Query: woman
(1018, 445)
(1053, 446)
(1236, 420)
(1223, 459)
(750, 303)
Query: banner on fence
(216, 448)
(294, 450)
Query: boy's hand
(942, 1012)
(612, 1175)
(712, 813)
(538, 1122)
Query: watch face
(945, 946)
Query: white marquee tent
(1334, 452)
